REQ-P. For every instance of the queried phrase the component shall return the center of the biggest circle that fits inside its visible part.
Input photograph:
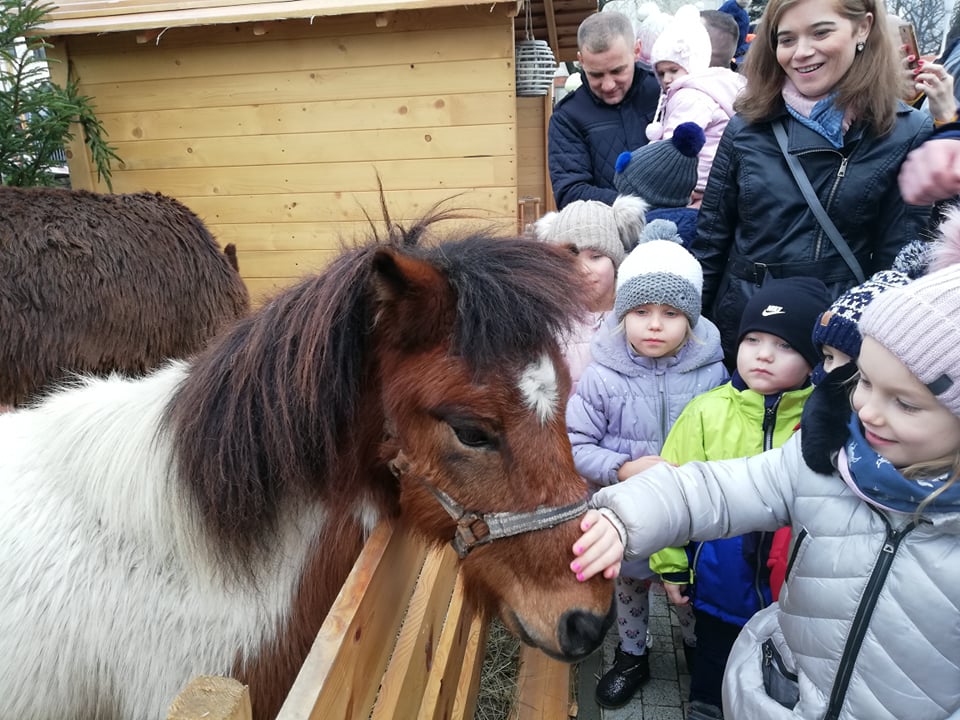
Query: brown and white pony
(201, 520)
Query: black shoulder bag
(814, 202)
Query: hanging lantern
(535, 62)
(535, 67)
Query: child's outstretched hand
(677, 594)
(599, 549)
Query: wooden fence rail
(402, 618)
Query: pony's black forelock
(515, 297)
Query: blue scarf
(825, 118)
(881, 482)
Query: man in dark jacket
(608, 114)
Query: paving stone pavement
(664, 697)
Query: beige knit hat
(593, 225)
(920, 324)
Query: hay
(499, 674)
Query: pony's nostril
(582, 632)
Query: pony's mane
(264, 410)
(514, 297)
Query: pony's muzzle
(582, 632)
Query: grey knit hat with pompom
(660, 271)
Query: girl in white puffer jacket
(868, 623)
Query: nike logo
(772, 310)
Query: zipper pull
(767, 654)
(843, 167)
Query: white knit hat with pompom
(684, 41)
(660, 271)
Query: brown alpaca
(93, 283)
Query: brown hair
(869, 88)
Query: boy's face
(768, 364)
(833, 358)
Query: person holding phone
(821, 70)
(928, 84)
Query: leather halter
(476, 528)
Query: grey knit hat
(593, 225)
(664, 172)
(660, 271)
(920, 324)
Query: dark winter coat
(586, 135)
(754, 220)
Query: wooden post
(212, 698)
(82, 172)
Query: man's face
(610, 73)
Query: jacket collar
(609, 348)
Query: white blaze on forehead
(538, 385)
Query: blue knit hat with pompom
(664, 173)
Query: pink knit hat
(920, 324)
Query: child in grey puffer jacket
(653, 355)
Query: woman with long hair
(825, 72)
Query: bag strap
(814, 202)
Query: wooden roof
(75, 17)
(556, 21)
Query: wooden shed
(273, 119)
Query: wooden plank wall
(274, 133)
(533, 178)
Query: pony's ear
(415, 302)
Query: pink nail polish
(580, 577)
(575, 567)
(577, 549)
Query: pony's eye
(473, 437)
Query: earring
(860, 46)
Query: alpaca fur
(94, 283)
(201, 519)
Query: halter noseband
(477, 528)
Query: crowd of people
(766, 402)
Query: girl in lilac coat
(652, 356)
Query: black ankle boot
(704, 711)
(622, 681)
